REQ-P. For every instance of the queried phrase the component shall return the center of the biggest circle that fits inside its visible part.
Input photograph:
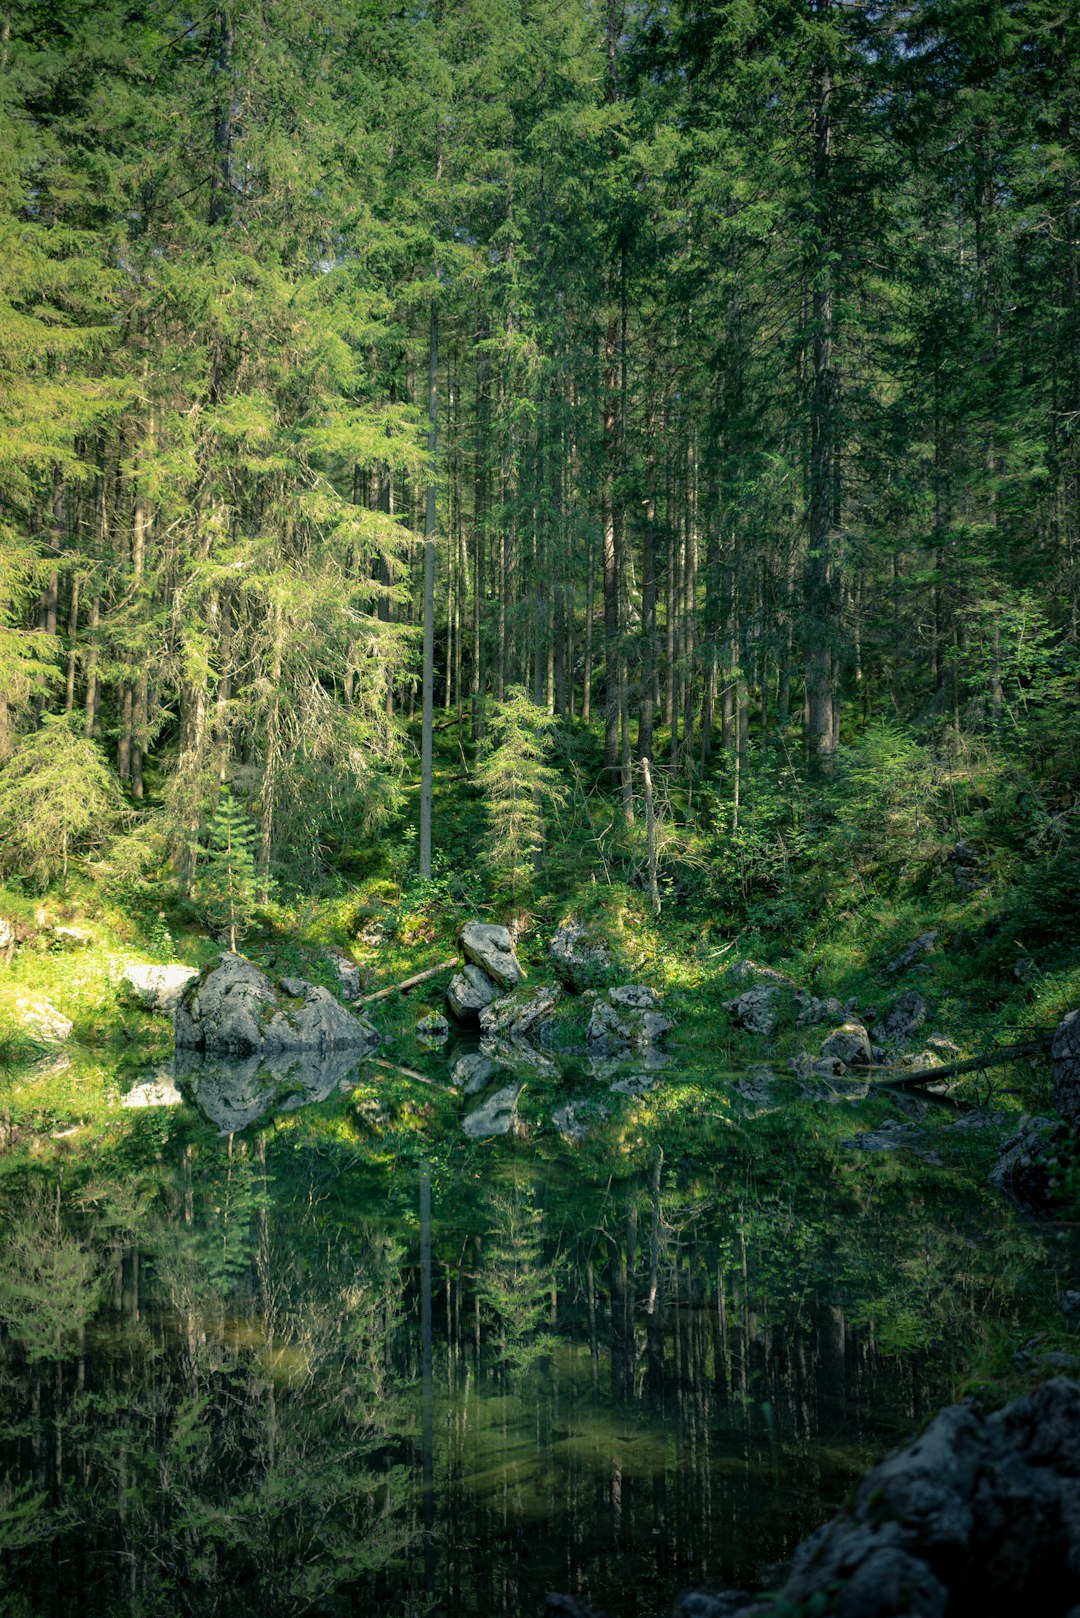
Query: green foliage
(227, 886)
(58, 799)
(520, 787)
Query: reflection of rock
(607, 1069)
(978, 1514)
(519, 1055)
(157, 988)
(1065, 1056)
(626, 1021)
(159, 1091)
(469, 991)
(576, 1120)
(520, 1015)
(492, 949)
(849, 1044)
(43, 1020)
(472, 1072)
(578, 958)
(234, 1093)
(891, 1136)
(235, 1008)
(1028, 1163)
(634, 1084)
(494, 1116)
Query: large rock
(627, 1020)
(521, 1015)
(157, 988)
(903, 1019)
(469, 992)
(1065, 1056)
(981, 1514)
(234, 1008)
(579, 959)
(760, 1009)
(849, 1044)
(492, 949)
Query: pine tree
(518, 785)
(57, 797)
(227, 884)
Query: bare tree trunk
(427, 715)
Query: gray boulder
(157, 988)
(849, 1044)
(626, 1021)
(758, 1010)
(813, 1011)
(469, 992)
(904, 1018)
(1065, 1057)
(494, 1116)
(923, 945)
(492, 949)
(521, 1015)
(347, 973)
(234, 1008)
(578, 958)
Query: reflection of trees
(205, 1409)
(515, 1282)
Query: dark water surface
(646, 1345)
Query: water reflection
(356, 1360)
(235, 1092)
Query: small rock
(469, 991)
(347, 972)
(622, 1022)
(492, 949)
(746, 971)
(923, 945)
(72, 937)
(813, 1011)
(634, 997)
(634, 1084)
(576, 1120)
(8, 941)
(432, 1029)
(1070, 1305)
(1023, 967)
(520, 1015)
(849, 1044)
(157, 988)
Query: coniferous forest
(548, 530)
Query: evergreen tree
(58, 798)
(518, 784)
(227, 884)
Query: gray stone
(494, 1116)
(578, 958)
(1028, 1162)
(1065, 1057)
(813, 1011)
(758, 1010)
(520, 1056)
(8, 940)
(904, 1018)
(576, 1120)
(234, 1008)
(469, 992)
(432, 1029)
(520, 1015)
(634, 997)
(157, 988)
(746, 971)
(347, 973)
(923, 945)
(492, 949)
(634, 1084)
(849, 1044)
(616, 1027)
(72, 937)
(43, 1020)
(1070, 1305)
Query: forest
(607, 470)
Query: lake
(339, 1340)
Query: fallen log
(408, 983)
(970, 1064)
(409, 1072)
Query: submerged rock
(494, 1116)
(492, 950)
(469, 991)
(234, 1008)
(578, 958)
(157, 988)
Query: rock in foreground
(470, 990)
(235, 1009)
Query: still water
(339, 1340)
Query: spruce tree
(227, 885)
(518, 785)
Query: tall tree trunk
(427, 714)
